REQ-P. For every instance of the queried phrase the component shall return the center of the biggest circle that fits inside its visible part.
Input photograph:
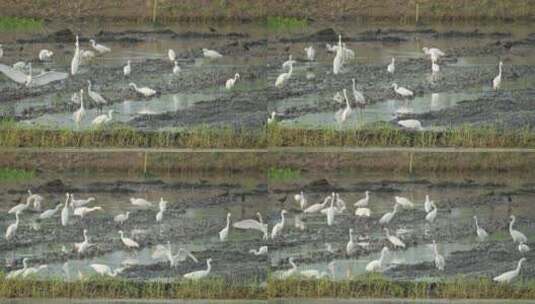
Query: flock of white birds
(331, 206)
(343, 56)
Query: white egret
(277, 229)
(301, 199)
(253, 224)
(232, 81)
(87, 55)
(223, 234)
(377, 265)
(121, 218)
(12, 229)
(439, 259)
(45, 55)
(435, 68)
(427, 204)
(39, 80)
(387, 217)
(363, 202)
(50, 212)
(97, 98)
(145, 91)
(167, 253)
(359, 97)
(163, 207)
(211, 54)
(431, 215)
(127, 69)
(318, 207)
(508, 276)
(176, 69)
(85, 245)
(80, 113)
(290, 272)
(271, 119)
(102, 119)
(433, 53)
(404, 92)
(172, 55)
(311, 53)
(140, 202)
(65, 212)
(287, 63)
(330, 212)
(99, 47)
(363, 212)
(82, 211)
(397, 242)
(411, 124)
(284, 77)
(518, 237)
(404, 202)
(80, 202)
(392, 66)
(36, 199)
(260, 251)
(105, 270)
(351, 246)
(338, 62)
(342, 115)
(523, 248)
(497, 82)
(128, 242)
(481, 233)
(15, 273)
(20, 65)
(30, 271)
(348, 53)
(197, 275)
(19, 208)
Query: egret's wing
(47, 78)
(13, 74)
(248, 224)
(163, 205)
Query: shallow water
(178, 102)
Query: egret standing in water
(45, 55)
(97, 98)
(232, 81)
(392, 66)
(99, 47)
(105, 270)
(277, 229)
(65, 212)
(517, 236)
(481, 233)
(394, 239)
(439, 259)
(342, 115)
(176, 69)
(200, 274)
(387, 217)
(121, 218)
(145, 91)
(497, 82)
(377, 265)
(411, 124)
(102, 119)
(172, 55)
(223, 234)
(284, 77)
(363, 202)
(162, 206)
(311, 53)
(403, 92)
(351, 246)
(211, 54)
(127, 69)
(12, 229)
(80, 113)
(128, 242)
(287, 63)
(508, 276)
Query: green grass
(19, 23)
(10, 175)
(285, 23)
(366, 286)
(283, 174)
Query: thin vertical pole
(154, 10)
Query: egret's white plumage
(102, 119)
(83, 211)
(518, 237)
(411, 124)
(35, 199)
(427, 204)
(105, 270)
(403, 92)
(290, 272)
(311, 53)
(145, 91)
(342, 115)
(79, 115)
(80, 202)
(301, 199)
(377, 265)
(271, 119)
(127, 69)
(508, 276)
(128, 242)
(481, 233)
(99, 47)
(50, 212)
(431, 215)
(121, 218)
(497, 82)
(65, 212)
(19, 208)
(351, 246)
(197, 275)
(523, 248)
(298, 222)
(397, 242)
(11, 230)
(232, 82)
(15, 273)
(392, 66)
(387, 217)
(172, 55)
(433, 53)
(176, 68)
(284, 77)
(359, 97)
(287, 63)
(363, 212)
(97, 98)
(140, 202)
(260, 251)
(318, 207)
(253, 224)
(211, 54)
(277, 228)
(45, 55)
(363, 202)
(404, 202)
(440, 262)
(223, 234)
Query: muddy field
(461, 95)
(198, 205)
